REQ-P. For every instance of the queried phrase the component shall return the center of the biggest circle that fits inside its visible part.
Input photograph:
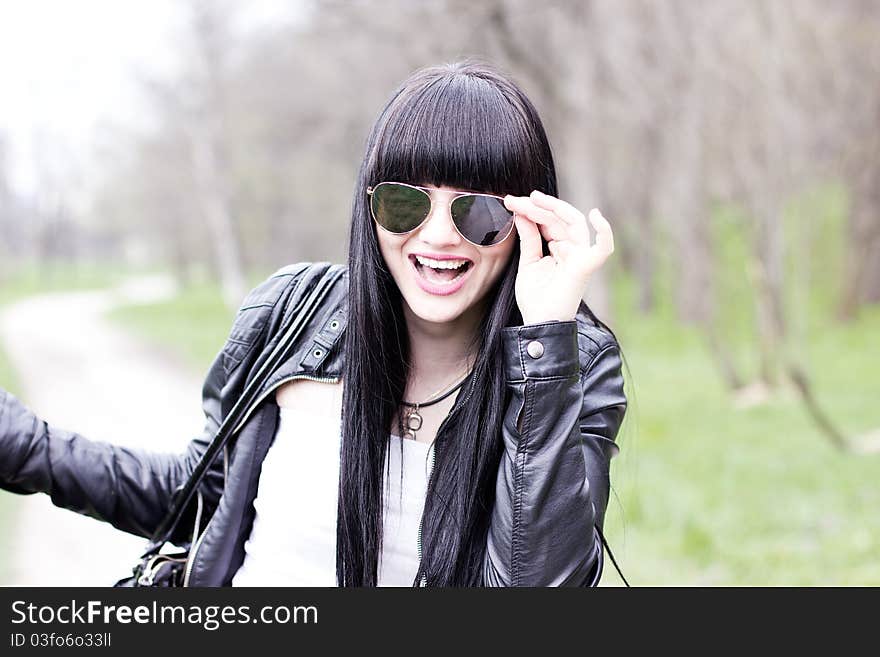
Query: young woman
(450, 415)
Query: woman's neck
(441, 354)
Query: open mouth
(440, 275)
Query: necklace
(413, 420)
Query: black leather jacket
(566, 390)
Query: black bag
(158, 570)
(169, 569)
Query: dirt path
(78, 371)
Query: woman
(449, 418)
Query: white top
(293, 539)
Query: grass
(708, 494)
(191, 326)
(39, 278)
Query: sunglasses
(482, 219)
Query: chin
(437, 312)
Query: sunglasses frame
(427, 193)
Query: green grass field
(708, 494)
(192, 326)
(33, 279)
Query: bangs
(461, 132)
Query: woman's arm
(130, 488)
(559, 431)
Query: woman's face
(429, 295)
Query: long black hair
(466, 125)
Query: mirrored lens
(399, 208)
(482, 219)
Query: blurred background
(159, 159)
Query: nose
(439, 229)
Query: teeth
(440, 264)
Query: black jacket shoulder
(263, 309)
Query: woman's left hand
(551, 287)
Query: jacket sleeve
(559, 433)
(130, 488)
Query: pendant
(413, 423)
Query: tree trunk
(214, 203)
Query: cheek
(391, 248)
(498, 261)
(503, 256)
(387, 243)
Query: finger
(576, 228)
(524, 205)
(553, 227)
(604, 235)
(604, 246)
(565, 211)
(529, 241)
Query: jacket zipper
(259, 400)
(424, 579)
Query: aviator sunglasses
(400, 208)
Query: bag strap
(230, 422)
